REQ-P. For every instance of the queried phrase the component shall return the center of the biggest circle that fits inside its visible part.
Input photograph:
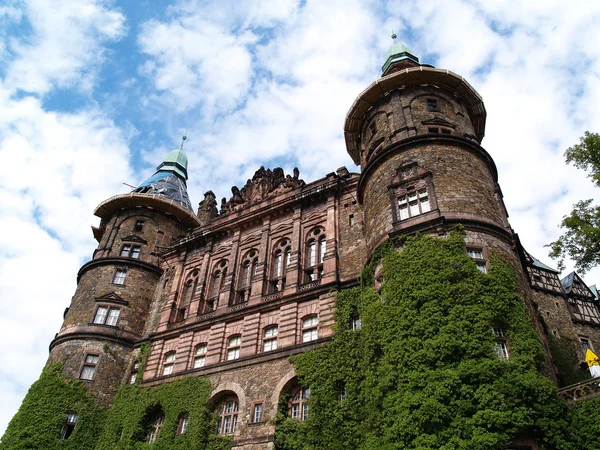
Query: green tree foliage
(38, 423)
(422, 372)
(586, 424)
(581, 239)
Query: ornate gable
(134, 238)
(112, 297)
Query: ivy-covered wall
(43, 413)
(38, 422)
(422, 372)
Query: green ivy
(127, 424)
(422, 372)
(566, 361)
(38, 423)
(586, 424)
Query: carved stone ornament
(264, 184)
(207, 209)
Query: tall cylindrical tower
(416, 134)
(111, 304)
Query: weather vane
(394, 36)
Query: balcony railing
(586, 390)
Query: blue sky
(93, 94)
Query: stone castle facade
(230, 293)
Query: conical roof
(396, 54)
(170, 177)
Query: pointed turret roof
(398, 56)
(170, 177)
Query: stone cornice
(96, 332)
(117, 260)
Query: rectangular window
(502, 350)
(131, 251)
(309, 335)
(69, 426)
(351, 219)
(200, 358)
(169, 363)
(477, 254)
(89, 367)
(585, 343)
(233, 353)
(107, 316)
(119, 276)
(139, 225)
(432, 130)
(270, 344)
(355, 323)
(227, 424)
(257, 416)
(413, 203)
(432, 104)
(305, 411)
(295, 413)
(126, 250)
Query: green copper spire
(398, 53)
(176, 161)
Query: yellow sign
(591, 358)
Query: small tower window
(432, 104)
(131, 251)
(119, 276)
(413, 204)
(478, 255)
(139, 226)
(69, 426)
(134, 373)
(351, 219)
(89, 367)
(501, 345)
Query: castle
(230, 293)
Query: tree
(581, 240)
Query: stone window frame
(410, 177)
(313, 270)
(130, 251)
(310, 327)
(271, 338)
(119, 276)
(473, 252)
(234, 346)
(282, 249)
(432, 105)
(199, 357)
(168, 364)
(105, 318)
(247, 272)
(258, 408)
(89, 365)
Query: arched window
(310, 328)
(270, 338)
(247, 272)
(228, 415)
(316, 247)
(154, 421)
(188, 292)
(168, 363)
(298, 406)
(233, 347)
(282, 255)
(216, 285)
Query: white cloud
(64, 46)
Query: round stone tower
(416, 134)
(111, 304)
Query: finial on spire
(394, 36)
(183, 138)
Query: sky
(94, 93)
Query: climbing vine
(566, 361)
(422, 372)
(43, 413)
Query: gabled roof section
(574, 285)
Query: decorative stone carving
(207, 209)
(264, 184)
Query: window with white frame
(182, 423)
(270, 339)
(413, 203)
(501, 344)
(106, 315)
(200, 355)
(233, 347)
(309, 328)
(228, 415)
(89, 367)
(478, 255)
(119, 276)
(299, 407)
(355, 322)
(169, 363)
(134, 373)
(131, 251)
(257, 413)
(68, 426)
